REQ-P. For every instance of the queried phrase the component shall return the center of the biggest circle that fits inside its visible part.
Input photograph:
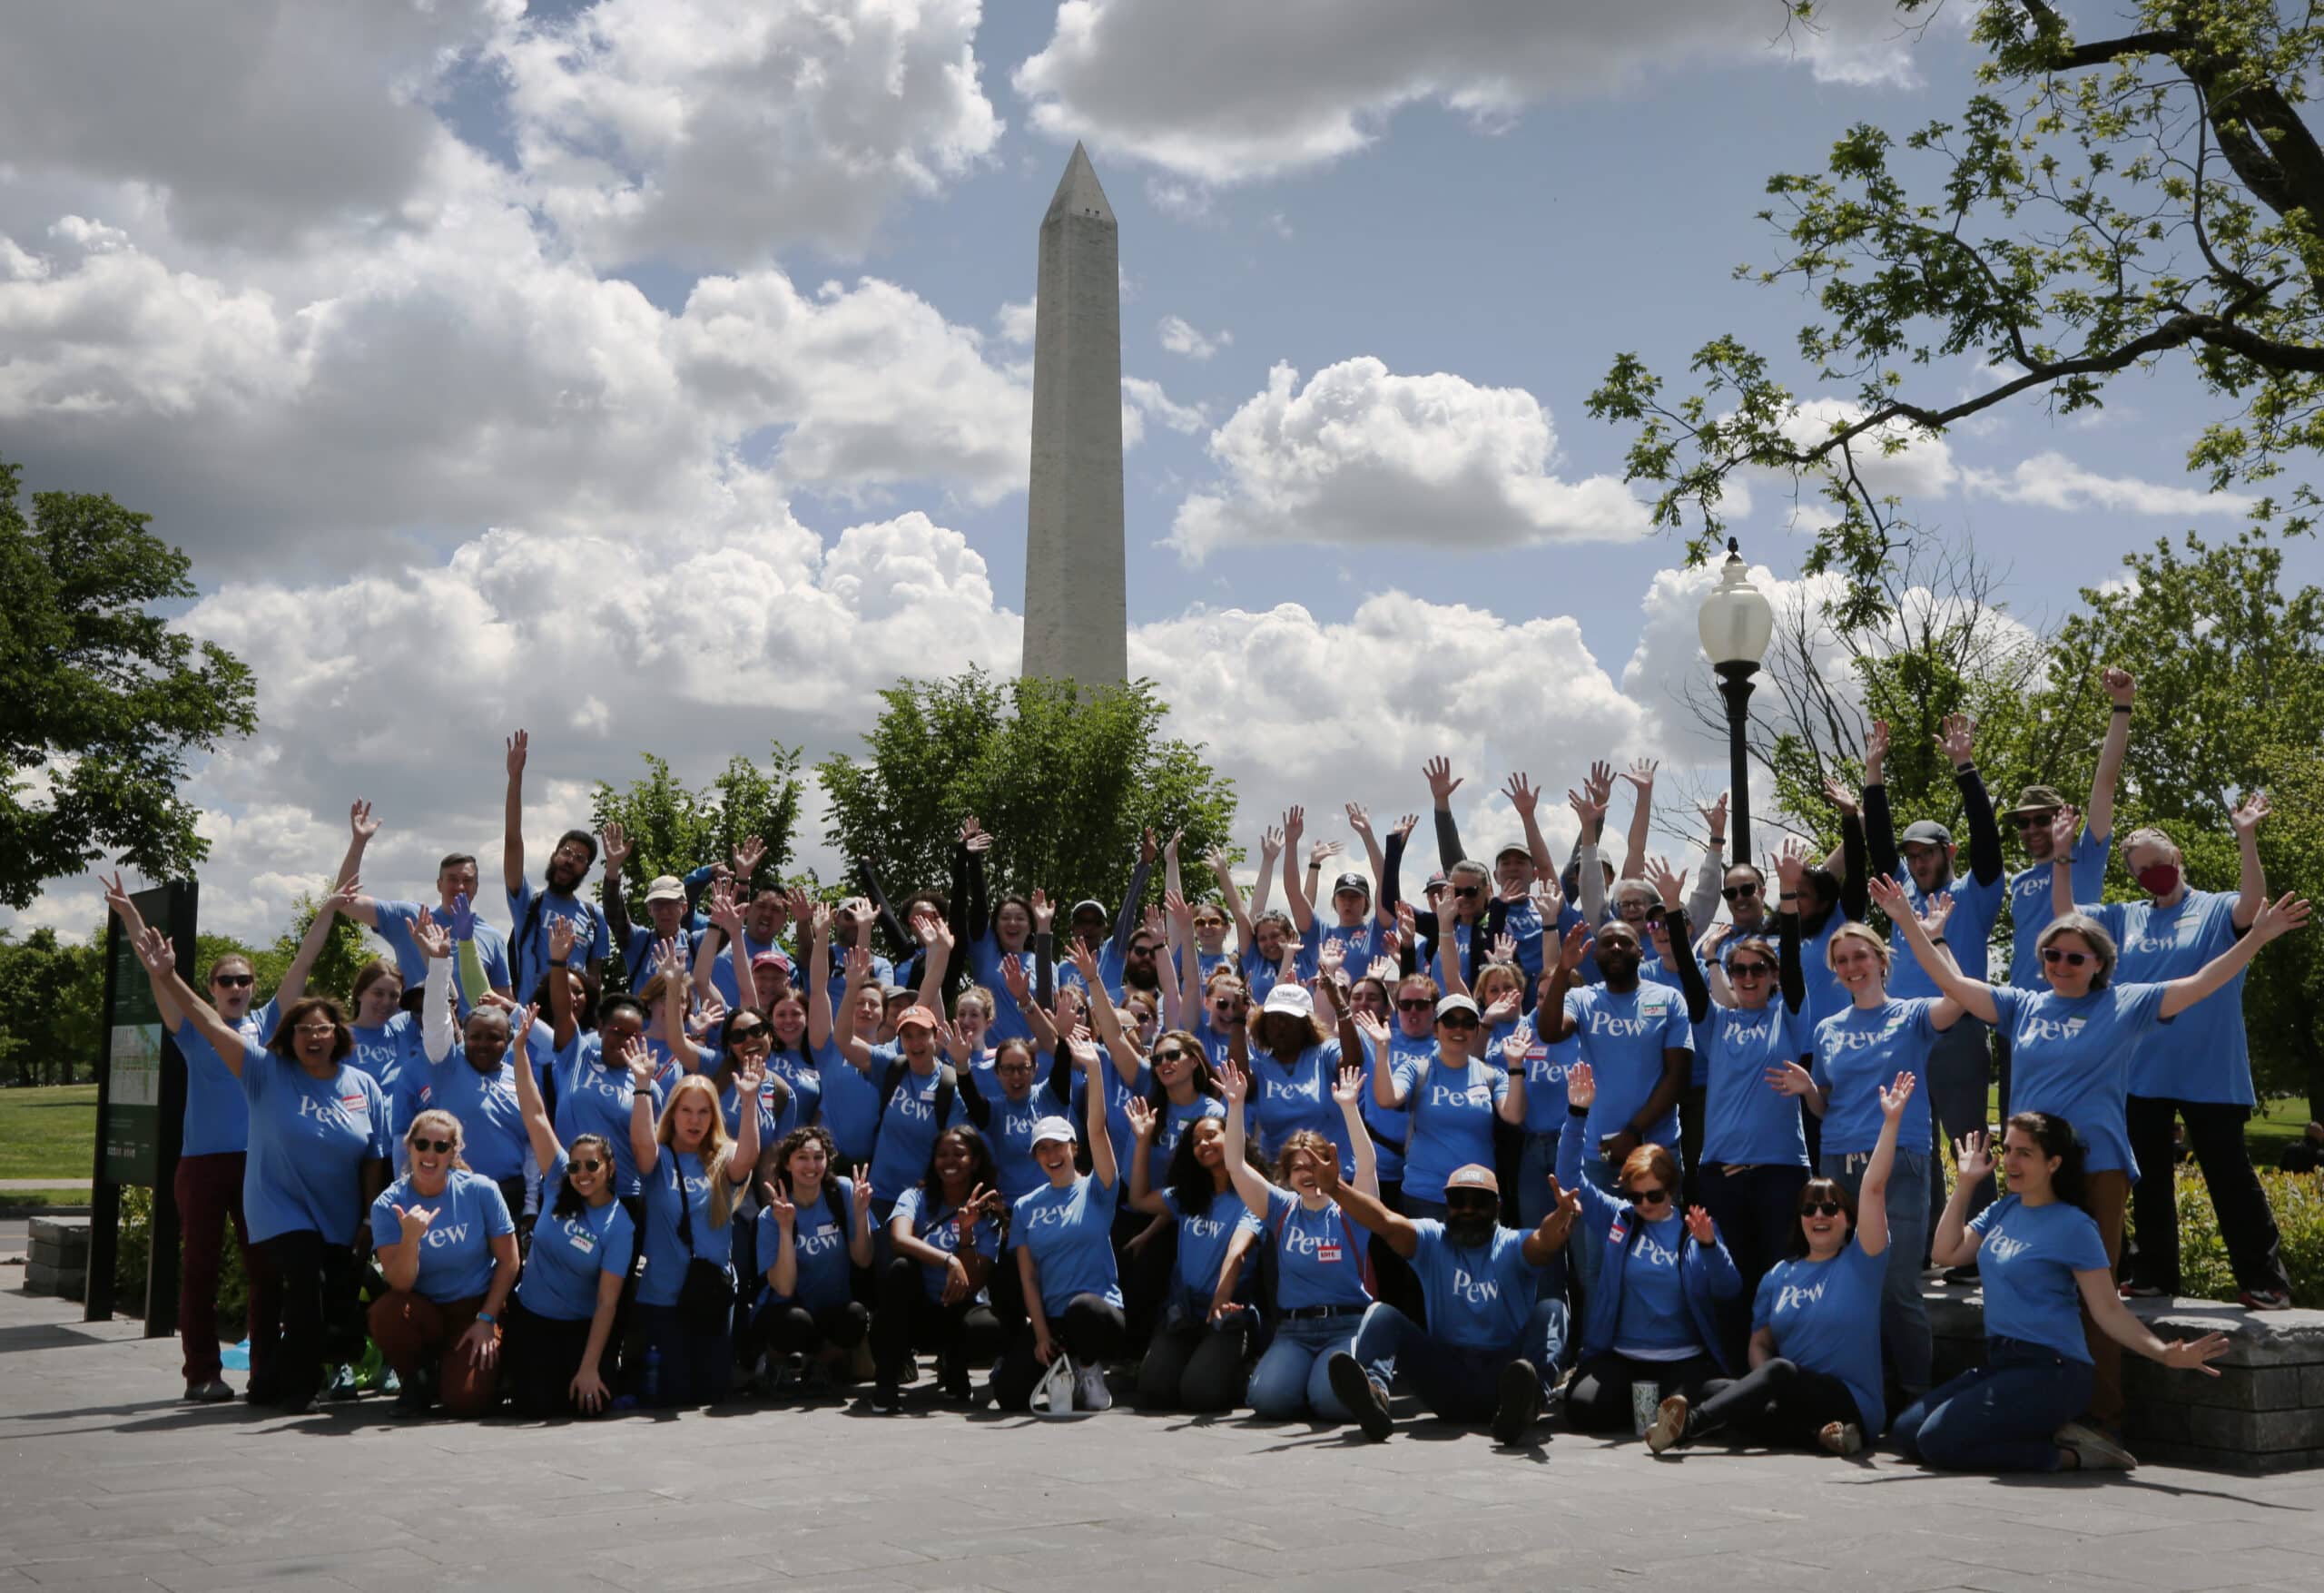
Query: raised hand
(798, 905)
(1019, 982)
(1323, 851)
(614, 841)
(637, 1057)
(1148, 847)
(435, 943)
(2120, 687)
(519, 746)
(1791, 862)
(1975, 1160)
(1044, 913)
(415, 1221)
(1408, 923)
(933, 932)
(1358, 820)
(1565, 1210)
(360, 820)
(1789, 1078)
(709, 1016)
(2245, 819)
(1699, 1227)
(1571, 949)
(746, 857)
(1170, 847)
(1503, 947)
(778, 1205)
(1893, 1098)
(560, 940)
(1372, 1028)
(1085, 1051)
(1085, 962)
(670, 961)
(859, 965)
(1521, 793)
(1641, 776)
(1937, 914)
(948, 1039)
(1438, 772)
(1548, 898)
(1875, 751)
(1666, 883)
(1330, 958)
(1589, 809)
(1235, 1085)
(1347, 1089)
(1499, 1012)
(118, 899)
(2065, 824)
(1957, 738)
(1520, 1040)
(1600, 783)
(1383, 969)
(1840, 797)
(1581, 1085)
(1270, 847)
(1715, 816)
(1403, 826)
(1143, 1118)
(724, 911)
(973, 835)
(461, 918)
(1887, 894)
(154, 950)
(2280, 917)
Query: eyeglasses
(234, 981)
(435, 1147)
(1420, 1004)
(1653, 915)
(589, 1166)
(1459, 1021)
(1819, 1208)
(1171, 1054)
(1738, 892)
(2071, 958)
(1648, 1196)
(318, 1029)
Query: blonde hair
(1495, 973)
(437, 1119)
(1852, 931)
(712, 1149)
(2149, 835)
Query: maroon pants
(210, 1191)
(413, 1332)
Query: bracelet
(1573, 1111)
(1936, 939)
(2121, 707)
(1788, 896)
(487, 1316)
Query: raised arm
(613, 845)
(1232, 898)
(1551, 1021)
(1956, 1243)
(1372, 1037)
(975, 843)
(1250, 1183)
(1702, 901)
(311, 944)
(1107, 1021)
(1525, 798)
(1366, 1209)
(564, 1022)
(1300, 903)
(1682, 947)
(2252, 893)
(742, 1154)
(1958, 741)
(783, 1272)
(1879, 821)
(1126, 917)
(530, 1107)
(934, 936)
(1102, 1165)
(1438, 772)
(852, 1047)
(360, 826)
(2120, 691)
(1347, 1094)
(1975, 996)
(643, 1146)
(160, 960)
(436, 1036)
(1871, 1201)
(1271, 847)
(512, 819)
(1641, 779)
(2280, 917)
(1360, 822)
(1144, 1122)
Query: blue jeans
(2000, 1417)
(1904, 1316)
(1459, 1383)
(1289, 1382)
(1535, 1167)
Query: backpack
(948, 1085)
(519, 947)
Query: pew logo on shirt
(1475, 1291)
(1310, 1088)
(1755, 1033)
(440, 1238)
(2002, 1247)
(1467, 1095)
(1313, 1246)
(1792, 1296)
(2031, 1029)
(2032, 883)
(1602, 1022)
(1656, 1255)
(1839, 1038)
(1540, 1069)
(1050, 1216)
(354, 1106)
(818, 1241)
(920, 1108)
(1204, 1227)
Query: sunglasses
(1144, 950)
(588, 1167)
(1420, 1005)
(1648, 1196)
(2032, 822)
(1172, 1054)
(234, 981)
(1819, 1208)
(1470, 1208)
(2071, 958)
(438, 1148)
(1457, 1020)
(1749, 971)
(1465, 891)
(744, 1034)
(1738, 892)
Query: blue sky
(485, 359)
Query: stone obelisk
(1076, 619)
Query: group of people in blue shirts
(1553, 1137)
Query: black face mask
(1469, 1230)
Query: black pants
(1089, 1328)
(317, 1283)
(1145, 1274)
(1779, 1404)
(963, 1334)
(1393, 1278)
(1757, 1211)
(1598, 1399)
(2215, 1134)
(1191, 1365)
(788, 1328)
(1693, 1108)
(539, 1360)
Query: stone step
(70, 1282)
(69, 1233)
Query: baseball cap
(667, 888)
(1434, 881)
(1289, 997)
(1517, 848)
(1356, 882)
(1080, 907)
(771, 959)
(1926, 832)
(916, 1016)
(1050, 1128)
(1458, 1004)
(1472, 1176)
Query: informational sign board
(141, 1108)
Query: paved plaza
(109, 1482)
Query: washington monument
(1075, 620)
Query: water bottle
(652, 1389)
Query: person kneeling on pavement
(1492, 1349)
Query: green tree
(50, 993)
(1064, 780)
(674, 829)
(342, 957)
(104, 698)
(2152, 194)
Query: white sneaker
(2092, 1450)
(1090, 1390)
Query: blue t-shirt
(593, 1098)
(666, 1255)
(820, 1237)
(1860, 1051)
(456, 1250)
(722, 970)
(1394, 1126)
(570, 1252)
(1622, 1037)
(1288, 1098)
(2072, 1060)
(310, 1138)
(493, 1139)
(907, 1129)
(2030, 911)
(798, 1070)
(396, 919)
(1652, 1322)
(1319, 1254)
(2203, 1054)
(852, 1100)
(1968, 931)
(1478, 1297)
(1202, 1248)
(529, 954)
(2027, 1263)
(776, 1107)
(1214, 1040)
(985, 960)
(1747, 1123)
(1826, 997)
(388, 1052)
(1119, 1092)
(1357, 946)
(1452, 1111)
(217, 1117)
(1825, 1315)
(933, 1223)
(1172, 1128)
(1070, 1233)
(1259, 973)
(1009, 1129)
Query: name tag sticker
(1327, 1252)
(354, 1103)
(585, 1241)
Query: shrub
(136, 1244)
(2298, 1201)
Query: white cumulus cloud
(1177, 336)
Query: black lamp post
(1736, 625)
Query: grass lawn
(48, 1133)
(33, 1202)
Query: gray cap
(1926, 833)
(1053, 1127)
(1457, 1003)
(1096, 907)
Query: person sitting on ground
(1195, 1358)
(945, 1235)
(815, 1234)
(448, 1248)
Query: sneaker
(2264, 1299)
(417, 1393)
(1517, 1402)
(1963, 1276)
(885, 1399)
(2143, 1291)
(1841, 1438)
(1670, 1424)
(342, 1385)
(1359, 1394)
(2092, 1450)
(953, 1379)
(212, 1393)
(1089, 1389)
